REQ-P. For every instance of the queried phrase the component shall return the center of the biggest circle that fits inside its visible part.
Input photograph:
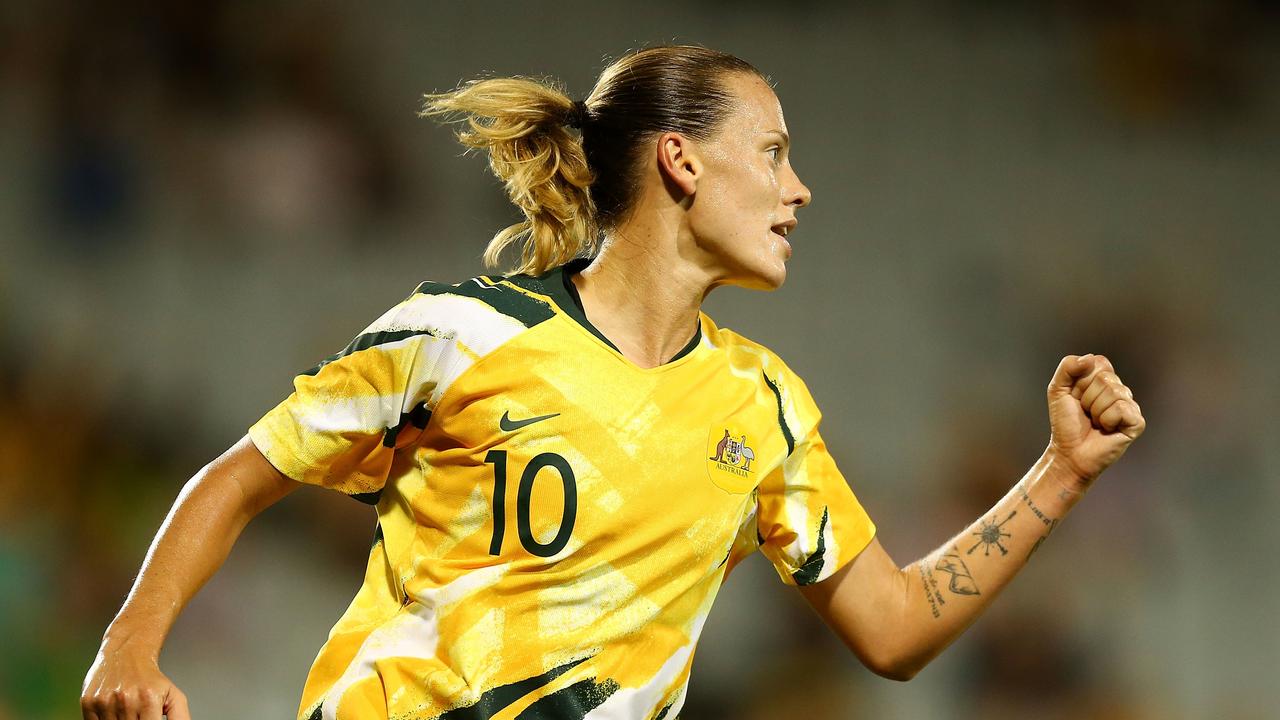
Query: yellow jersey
(554, 521)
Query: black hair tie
(577, 115)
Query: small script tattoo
(991, 534)
(961, 581)
(1045, 519)
(931, 591)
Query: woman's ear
(678, 162)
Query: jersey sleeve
(809, 522)
(342, 423)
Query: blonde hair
(523, 124)
(571, 185)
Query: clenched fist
(125, 685)
(1092, 415)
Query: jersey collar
(558, 285)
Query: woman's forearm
(896, 619)
(193, 542)
(949, 588)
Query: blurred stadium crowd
(202, 198)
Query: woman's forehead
(756, 106)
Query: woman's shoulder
(796, 406)
(743, 350)
(482, 312)
(483, 295)
(481, 301)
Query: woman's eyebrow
(786, 139)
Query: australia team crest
(730, 459)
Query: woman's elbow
(901, 673)
(894, 666)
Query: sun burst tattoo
(991, 534)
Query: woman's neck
(640, 295)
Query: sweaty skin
(194, 540)
(898, 619)
(707, 214)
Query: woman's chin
(763, 279)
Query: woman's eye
(774, 153)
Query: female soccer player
(567, 460)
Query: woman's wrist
(136, 638)
(1062, 477)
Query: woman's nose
(798, 194)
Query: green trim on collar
(557, 284)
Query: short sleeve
(810, 523)
(342, 423)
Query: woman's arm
(898, 619)
(194, 540)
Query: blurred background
(201, 199)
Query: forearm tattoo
(931, 591)
(1049, 523)
(1022, 493)
(1039, 541)
(959, 580)
(990, 534)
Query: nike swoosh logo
(507, 424)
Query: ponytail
(524, 125)
(570, 185)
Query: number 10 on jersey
(524, 496)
